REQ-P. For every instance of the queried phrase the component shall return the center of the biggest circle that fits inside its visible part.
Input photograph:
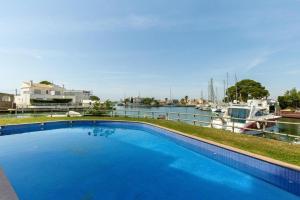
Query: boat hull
(250, 127)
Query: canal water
(185, 114)
(156, 111)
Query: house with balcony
(6, 102)
(35, 95)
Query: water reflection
(103, 132)
(293, 129)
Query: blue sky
(129, 46)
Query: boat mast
(216, 96)
(171, 95)
(236, 89)
(212, 90)
(208, 92)
(227, 85)
(224, 84)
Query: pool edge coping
(230, 148)
(7, 191)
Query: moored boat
(246, 118)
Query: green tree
(182, 101)
(100, 109)
(126, 101)
(46, 83)
(186, 99)
(96, 109)
(148, 101)
(108, 105)
(155, 103)
(291, 99)
(246, 89)
(94, 98)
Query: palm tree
(186, 98)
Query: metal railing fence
(207, 123)
(191, 118)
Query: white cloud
(260, 59)
(256, 62)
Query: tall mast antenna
(236, 89)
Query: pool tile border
(274, 173)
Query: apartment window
(57, 93)
(47, 91)
(37, 91)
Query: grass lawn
(282, 151)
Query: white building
(196, 101)
(43, 95)
(137, 100)
(90, 103)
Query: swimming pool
(119, 160)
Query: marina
(190, 114)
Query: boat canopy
(240, 113)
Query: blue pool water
(113, 161)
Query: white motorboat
(68, 114)
(203, 107)
(241, 118)
(218, 109)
